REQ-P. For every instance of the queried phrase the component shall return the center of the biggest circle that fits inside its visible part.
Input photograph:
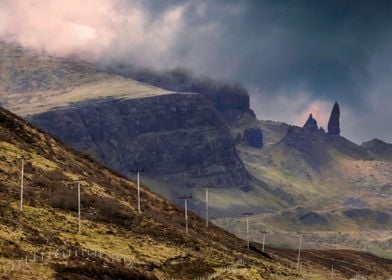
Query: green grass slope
(340, 191)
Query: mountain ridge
(109, 213)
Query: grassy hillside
(31, 82)
(339, 191)
(116, 242)
(115, 239)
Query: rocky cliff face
(178, 138)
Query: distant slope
(379, 149)
(155, 239)
(333, 184)
(179, 138)
(320, 168)
(32, 83)
(273, 131)
(117, 242)
(291, 177)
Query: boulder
(254, 137)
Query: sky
(295, 57)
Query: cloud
(293, 56)
(296, 110)
(319, 110)
(92, 29)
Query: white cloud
(92, 29)
(293, 109)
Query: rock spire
(311, 124)
(334, 120)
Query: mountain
(229, 99)
(291, 178)
(178, 138)
(154, 239)
(335, 186)
(379, 149)
(115, 240)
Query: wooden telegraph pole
(21, 183)
(185, 198)
(264, 236)
(79, 205)
(206, 188)
(247, 214)
(138, 171)
(23, 161)
(301, 233)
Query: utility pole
(299, 248)
(206, 188)
(79, 214)
(264, 235)
(185, 198)
(332, 273)
(247, 214)
(137, 171)
(21, 184)
(79, 205)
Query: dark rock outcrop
(253, 137)
(311, 124)
(178, 138)
(334, 120)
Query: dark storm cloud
(324, 46)
(293, 56)
(328, 50)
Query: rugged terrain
(339, 191)
(154, 240)
(42, 241)
(178, 138)
(291, 178)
